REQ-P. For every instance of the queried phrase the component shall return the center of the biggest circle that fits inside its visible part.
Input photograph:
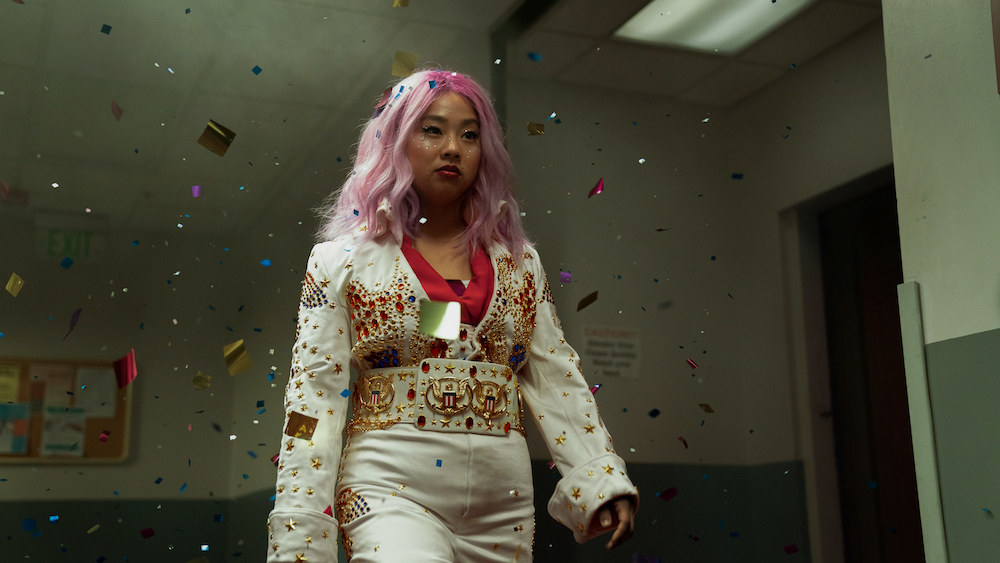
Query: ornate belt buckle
(375, 393)
(489, 400)
(448, 395)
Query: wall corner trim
(921, 422)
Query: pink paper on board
(116, 110)
(598, 188)
(125, 369)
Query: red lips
(449, 168)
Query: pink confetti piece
(104, 435)
(147, 533)
(552, 464)
(691, 363)
(598, 188)
(195, 191)
(668, 494)
(596, 388)
(125, 369)
(683, 441)
(72, 322)
(328, 511)
(116, 110)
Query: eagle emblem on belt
(375, 393)
(489, 400)
(448, 395)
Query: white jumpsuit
(402, 487)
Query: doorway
(861, 267)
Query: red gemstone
(425, 367)
(472, 371)
(399, 306)
(421, 421)
(468, 423)
(411, 394)
(463, 334)
(506, 428)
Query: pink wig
(382, 172)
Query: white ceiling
(323, 62)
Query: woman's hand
(621, 512)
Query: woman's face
(444, 149)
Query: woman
(435, 466)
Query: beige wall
(946, 131)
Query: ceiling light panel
(713, 26)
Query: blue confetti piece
(261, 411)
(1, 336)
(158, 480)
(252, 454)
(534, 56)
(29, 524)
(654, 413)
(872, 485)
(256, 69)
(737, 176)
(135, 242)
(245, 476)
(265, 262)
(258, 330)
(66, 263)
(188, 11)
(260, 403)
(793, 65)
(345, 392)
(106, 29)
(185, 485)
(432, 83)
(218, 517)
(438, 463)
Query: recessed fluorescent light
(714, 26)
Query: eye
(431, 130)
(471, 135)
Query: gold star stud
(291, 524)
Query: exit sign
(80, 238)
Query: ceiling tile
(731, 83)
(639, 68)
(592, 18)
(815, 30)
(557, 51)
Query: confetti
(216, 138)
(691, 363)
(345, 393)
(125, 369)
(265, 262)
(106, 29)
(116, 110)
(201, 381)
(4, 189)
(256, 69)
(400, 3)
(440, 319)
(668, 494)
(705, 407)
(598, 188)
(437, 463)
(403, 63)
(737, 176)
(595, 388)
(535, 56)
(29, 525)
(94, 528)
(536, 128)
(66, 263)
(237, 360)
(147, 533)
(14, 284)
(654, 413)
(586, 301)
(565, 277)
(300, 425)
(72, 322)
(195, 191)
(683, 441)
(104, 435)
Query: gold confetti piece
(201, 381)
(237, 359)
(300, 426)
(94, 529)
(536, 128)
(403, 64)
(14, 284)
(440, 319)
(216, 138)
(586, 301)
(705, 407)
(400, 3)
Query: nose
(449, 148)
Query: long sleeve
(302, 526)
(564, 409)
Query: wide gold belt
(443, 395)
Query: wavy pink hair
(382, 172)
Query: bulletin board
(62, 412)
